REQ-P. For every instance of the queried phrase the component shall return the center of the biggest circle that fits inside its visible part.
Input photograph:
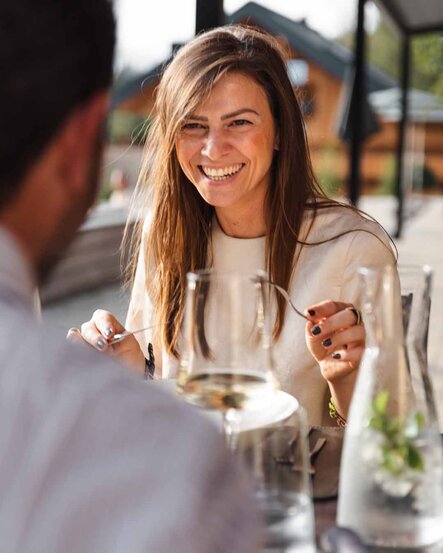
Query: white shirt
(326, 271)
(93, 460)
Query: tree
(383, 51)
(427, 63)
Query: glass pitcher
(416, 283)
(391, 490)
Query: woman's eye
(240, 123)
(192, 127)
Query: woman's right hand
(100, 329)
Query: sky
(146, 29)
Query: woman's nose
(215, 145)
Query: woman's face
(226, 146)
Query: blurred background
(320, 39)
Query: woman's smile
(218, 174)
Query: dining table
(325, 480)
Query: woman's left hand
(335, 337)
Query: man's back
(93, 460)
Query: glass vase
(391, 490)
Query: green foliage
(398, 450)
(383, 51)
(382, 48)
(387, 181)
(420, 174)
(326, 172)
(430, 180)
(105, 190)
(427, 63)
(127, 128)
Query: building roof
(423, 106)
(415, 17)
(135, 84)
(328, 54)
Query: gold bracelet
(334, 414)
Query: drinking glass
(226, 360)
(276, 456)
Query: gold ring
(357, 314)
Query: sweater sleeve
(368, 247)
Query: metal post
(405, 63)
(357, 105)
(209, 14)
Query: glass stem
(231, 428)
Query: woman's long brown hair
(179, 234)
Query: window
(298, 71)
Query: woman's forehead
(232, 92)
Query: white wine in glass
(226, 390)
(226, 362)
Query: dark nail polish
(326, 343)
(311, 312)
(100, 343)
(108, 332)
(336, 356)
(316, 330)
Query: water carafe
(391, 489)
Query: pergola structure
(411, 17)
(208, 14)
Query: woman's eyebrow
(238, 112)
(226, 116)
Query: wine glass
(226, 361)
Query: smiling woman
(228, 163)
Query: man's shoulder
(156, 466)
(41, 363)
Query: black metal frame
(402, 125)
(208, 14)
(357, 106)
(359, 64)
(357, 120)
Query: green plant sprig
(398, 450)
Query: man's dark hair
(54, 55)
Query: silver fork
(119, 337)
(287, 298)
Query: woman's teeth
(222, 172)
